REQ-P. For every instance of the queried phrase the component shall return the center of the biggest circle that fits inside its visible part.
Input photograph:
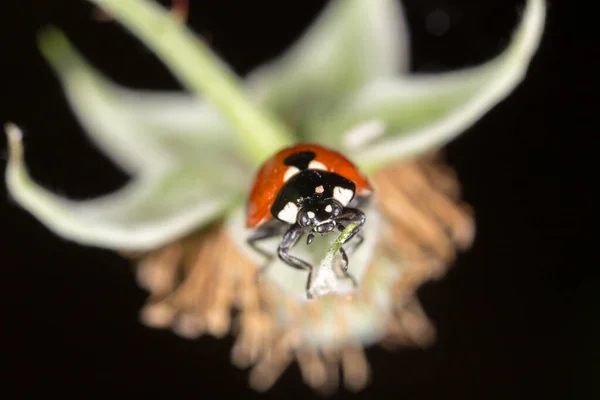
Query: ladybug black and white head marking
(313, 195)
(321, 216)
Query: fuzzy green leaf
(351, 43)
(392, 119)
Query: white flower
(191, 157)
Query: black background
(517, 316)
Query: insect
(306, 189)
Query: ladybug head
(320, 215)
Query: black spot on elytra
(300, 160)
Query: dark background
(517, 316)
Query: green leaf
(258, 133)
(351, 43)
(153, 209)
(138, 130)
(186, 171)
(180, 153)
(393, 119)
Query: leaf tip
(534, 16)
(54, 45)
(15, 137)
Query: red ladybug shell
(270, 179)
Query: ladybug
(306, 189)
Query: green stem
(335, 246)
(200, 70)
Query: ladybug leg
(350, 249)
(359, 240)
(345, 254)
(356, 216)
(289, 240)
(263, 233)
(344, 259)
